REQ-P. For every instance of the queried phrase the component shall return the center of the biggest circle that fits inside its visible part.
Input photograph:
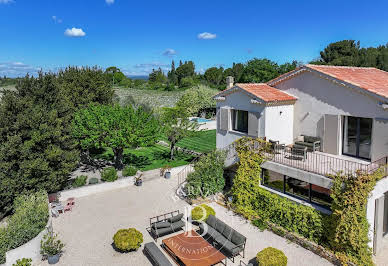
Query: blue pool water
(200, 120)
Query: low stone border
(31, 249)
(107, 186)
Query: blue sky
(140, 35)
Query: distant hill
(138, 77)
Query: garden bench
(155, 254)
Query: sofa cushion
(220, 239)
(162, 231)
(227, 232)
(175, 218)
(220, 226)
(305, 144)
(310, 139)
(300, 138)
(162, 224)
(229, 247)
(238, 238)
(211, 220)
(177, 225)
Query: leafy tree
(260, 70)
(176, 126)
(214, 75)
(37, 150)
(157, 76)
(342, 53)
(115, 127)
(185, 70)
(208, 176)
(197, 99)
(172, 77)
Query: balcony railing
(321, 163)
(314, 162)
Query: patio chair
(68, 207)
(71, 201)
(276, 146)
(298, 152)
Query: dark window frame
(235, 124)
(310, 192)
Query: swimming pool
(200, 120)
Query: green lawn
(203, 141)
(147, 158)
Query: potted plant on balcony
(51, 247)
(166, 171)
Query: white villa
(320, 120)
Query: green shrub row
(30, 218)
(293, 217)
(129, 170)
(80, 181)
(109, 174)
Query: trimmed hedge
(30, 218)
(128, 239)
(79, 181)
(271, 257)
(109, 174)
(129, 170)
(197, 213)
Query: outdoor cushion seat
(156, 256)
(166, 226)
(177, 225)
(175, 218)
(301, 143)
(228, 239)
(162, 224)
(220, 239)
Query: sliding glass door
(357, 137)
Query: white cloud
(109, 2)
(169, 52)
(74, 32)
(206, 36)
(17, 69)
(6, 1)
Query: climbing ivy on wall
(345, 231)
(251, 200)
(349, 227)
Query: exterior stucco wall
(279, 121)
(238, 101)
(379, 190)
(317, 97)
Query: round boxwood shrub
(271, 256)
(127, 239)
(202, 212)
(93, 180)
(80, 181)
(23, 262)
(129, 170)
(109, 174)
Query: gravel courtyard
(87, 231)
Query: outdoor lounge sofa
(228, 240)
(166, 224)
(312, 143)
(156, 256)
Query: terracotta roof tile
(265, 92)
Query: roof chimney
(229, 82)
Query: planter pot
(139, 183)
(53, 259)
(167, 175)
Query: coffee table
(191, 249)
